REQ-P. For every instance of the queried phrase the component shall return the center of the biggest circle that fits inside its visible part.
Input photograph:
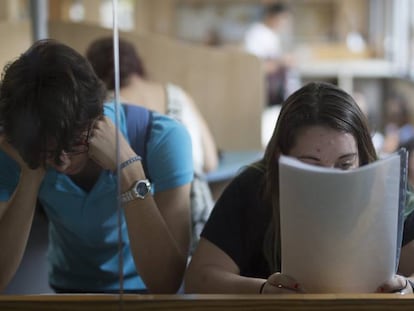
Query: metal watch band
(127, 197)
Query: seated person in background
(377, 137)
(136, 88)
(58, 144)
(265, 40)
(239, 249)
(398, 127)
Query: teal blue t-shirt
(83, 234)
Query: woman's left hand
(397, 284)
(279, 283)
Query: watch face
(142, 188)
(139, 190)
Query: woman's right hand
(279, 283)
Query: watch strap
(127, 197)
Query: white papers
(339, 228)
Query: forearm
(211, 160)
(406, 263)
(159, 257)
(207, 140)
(212, 280)
(15, 223)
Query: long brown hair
(316, 103)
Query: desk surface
(377, 302)
(231, 162)
(367, 68)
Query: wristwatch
(139, 190)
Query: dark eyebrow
(348, 155)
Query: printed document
(339, 229)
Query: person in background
(170, 99)
(265, 40)
(398, 127)
(239, 249)
(58, 144)
(377, 137)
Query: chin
(74, 169)
(71, 171)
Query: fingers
(100, 136)
(103, 144)
(281, 284)
(8, 148)
(103, 129)
(397, 284)
(406, 290)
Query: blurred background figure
(213, 38)
(398, 127)
(265, 40)
(137, 88)
(377, 136)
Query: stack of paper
(339, 229)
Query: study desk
(299, 302)
(229, 166)
(346, 71)
(231, 162)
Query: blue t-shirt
(83, 233)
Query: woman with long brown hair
(239, 251)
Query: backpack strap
(138, 122)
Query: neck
(88, 177)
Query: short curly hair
(48, 94)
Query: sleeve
(169, 155)
(262, 42)
(9, 176)
(253, 43)
(224, 227)
(408, 233)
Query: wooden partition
(16, 38)
(374, 302)
(226, 85)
